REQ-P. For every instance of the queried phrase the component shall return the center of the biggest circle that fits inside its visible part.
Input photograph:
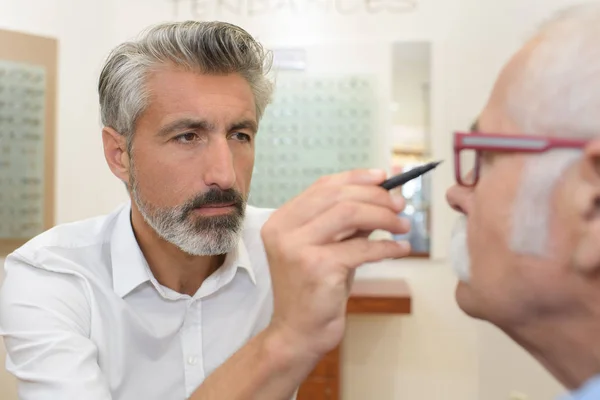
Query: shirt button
(192, 360)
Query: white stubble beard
(459, 250)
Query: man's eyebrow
(475, 126)
(185, 124)
(249, 124)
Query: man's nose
(456, 198)
(218, 164)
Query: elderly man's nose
(455, 198)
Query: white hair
(557, 93)
(531, 210)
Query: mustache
(213, 197)
(459, 250)
(460, 226)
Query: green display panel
(22, 127)
(315, 126)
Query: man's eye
(241, 136)
(186, 137)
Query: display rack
(315, 126)
(28, 71)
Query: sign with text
(250, 8)
(289, 59)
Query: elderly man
(527, 249)
(175, 295)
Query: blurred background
(360, 83)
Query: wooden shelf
(409, 151)
(419, 255)
(380, 296)
(38, 51)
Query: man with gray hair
(187, 292)
(527, 247)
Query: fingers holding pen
(351, 219)
(314, 243)
(328, 193)
(358, 251)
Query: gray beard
(197, 236)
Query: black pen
(407, 176)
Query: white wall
(437, 353)
(507, 367)
(84, 29)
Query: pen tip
(435, 164)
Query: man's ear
(586, 198)
(115, 152)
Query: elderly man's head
(528, 245)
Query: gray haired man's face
(192, 159)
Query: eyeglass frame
(495, 142)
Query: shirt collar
(238, 258)
(234, 260)
(130, 268)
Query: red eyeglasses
(469, 146)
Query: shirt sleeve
(45, 323)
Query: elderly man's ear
(585, 198)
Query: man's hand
(315, 242)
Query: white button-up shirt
(83, 317)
